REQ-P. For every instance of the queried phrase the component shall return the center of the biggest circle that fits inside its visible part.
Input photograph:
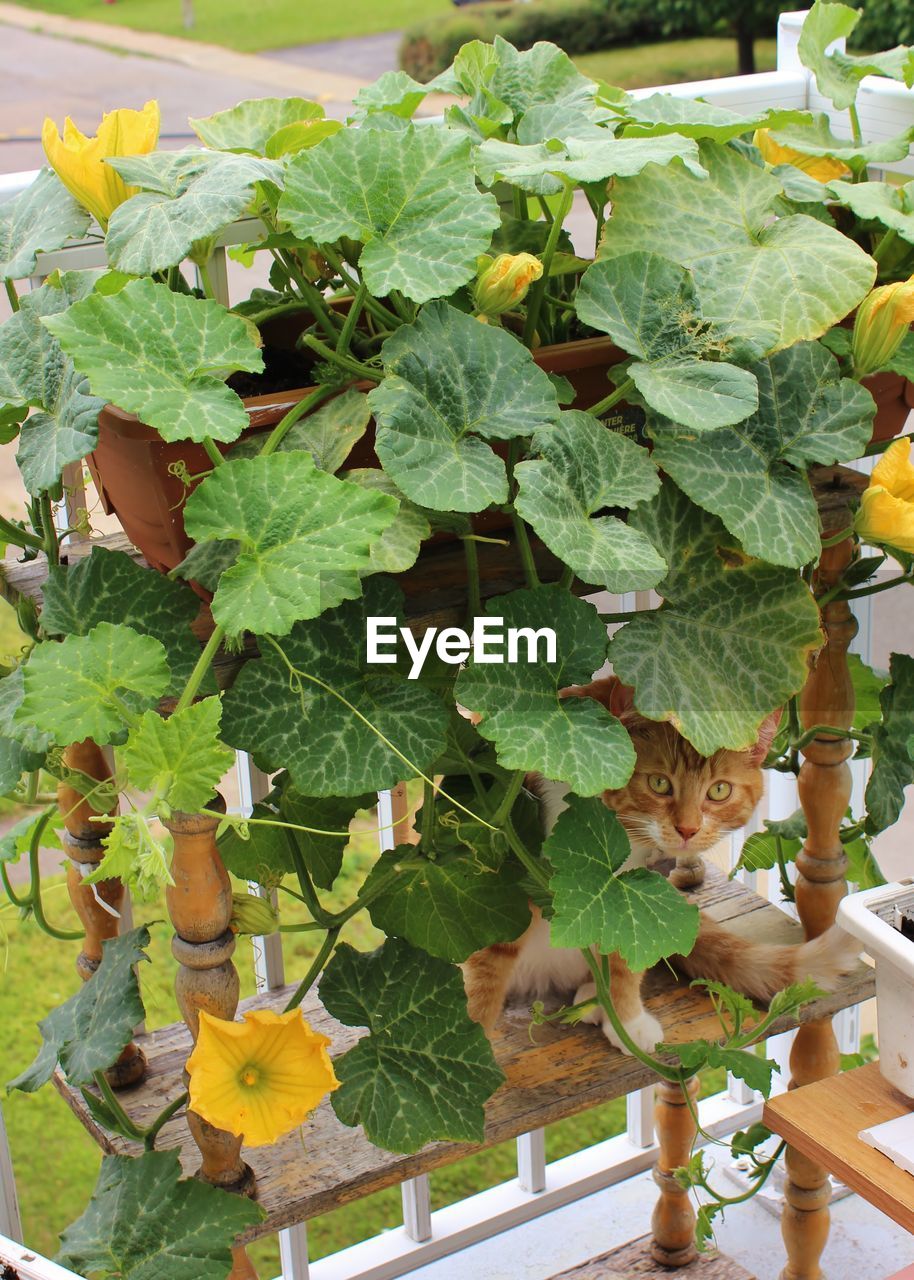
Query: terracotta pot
(138, 475)
(894, 396)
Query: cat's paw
(644, 1029)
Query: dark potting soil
(283, 370)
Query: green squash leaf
(573, 740)
(328, 434)
(449, 381)
(754, 475)
(450, 907)
(252, 123)
(184, 198)
(663, 113)
(82, 687)
(540, 168)
(15, 760)
(694, 1055)
(20, 731)
(398, 547)
(290, 722)
(138, 853)
(295, 524)
(188, 1237)
(108, 586)
(409, 196)
(723, 229)
(267, 854)
(35, 371)
(893, 747)
(582, 469)
(817, 139)
(868, 686)
(651, 308)
(425, 1070)
(38, 220)
(162, 356)
(636, 913)
(878, 202)
(88, 1032)
(180, 758)
(301, 136)
(732, 639)
(394, 91)
(838, 74)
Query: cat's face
(678, 800)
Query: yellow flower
(253, 914)
(79, 161)
(886, 514)
(259, 1078)
(883, 318)
(822, 168)
(504, 282)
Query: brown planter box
(134, 469)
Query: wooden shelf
(633, 1261)
(561, 1072)
(823, 1119)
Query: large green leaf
(893, 747)
(636, 913)
(753, 475)
(838, 74)
(394, 91)
(181, 758)
(184, 198)
(879, 202)
(397, 549)
(82, 687)
(724, 230)
(695, 1055)
(288, 721)
(573, 740)
(449, 381)
(449, 907)
(252, 123)
(295, 524)
(409, 196)
(87, 1032)
(651, 308)
(34, 371)
(144, 1223)
(817, 139)
(20, 731)
(732, 639)
(138, 853)
(269, 852)
(108, 586)
(38, 220)
(162, 356)
(663, 113)
(328, 433)
(582, 469)
(528, 78)
(425, 1070)
(15, 760)
(541, 167)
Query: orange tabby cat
(677, 802)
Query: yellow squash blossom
(260, 1078)
(503, 282)
(822, 168)
(79, 161)
(886, 514)
(883, 318)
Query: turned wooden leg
(200, 906)
(83, 843)
(689, 871)
(673, 1219)
(825, 789)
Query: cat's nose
(687, 832)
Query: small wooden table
(822, 1121)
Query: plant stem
(567, 578)
(786, 886)
(62, 935)
(474, 597)
(674, 1074)
(326, 919)
(512, 791)
(618, 617)
(525, 551)
(880, 446)
(345, 362)
(317, 303)
(608, 401)
(212, 452)
(12, 294)
(427, 821)
(377, 309)
(884, 244)
(545, 210)
(535, 297)
(828, 731)
(352, 316)
(127, 1124)
(23, 904)
(51, 545)
(162, 1119)
(856, 131)
(316, 966)
(11, 532)
(282, 428)
(201, 668)
(873, 590)
(836, 538)
(206, 281)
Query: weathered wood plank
(633, 1261)
(558, 1072)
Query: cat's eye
(660, 785)
(720, 791)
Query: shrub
(884, 23)
(577, 26)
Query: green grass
(672, 62)
(272, 24)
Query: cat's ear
(767, 730)
(616, 697)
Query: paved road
(366, 57)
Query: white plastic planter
(868, 916)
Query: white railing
(885, 109)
